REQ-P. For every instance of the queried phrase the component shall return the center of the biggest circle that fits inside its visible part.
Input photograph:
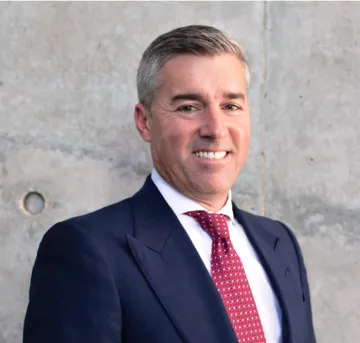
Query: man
(178, 261)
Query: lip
(211, 150)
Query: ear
(143, 122)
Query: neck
(212, 204)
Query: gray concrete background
(67, 91)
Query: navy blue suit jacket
(129, 273)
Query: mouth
(211, 155)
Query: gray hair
(194, 39)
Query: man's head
(193, 110)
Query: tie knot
(213, 223)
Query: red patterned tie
(230, 279)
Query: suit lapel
(173, 268)
(267, 247)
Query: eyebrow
(198, 97)
(186, 96)
(231, 95)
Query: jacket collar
(175, 271)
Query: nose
(213, 126)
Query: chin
(213, 186)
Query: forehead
(211, 75)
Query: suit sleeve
(73, 297)
(305, 286)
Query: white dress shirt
(264, 296)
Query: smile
(212, 155)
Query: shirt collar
(180, 204)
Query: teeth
(211, 155)
(220, 154)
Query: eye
(233, 107)
(187, 108)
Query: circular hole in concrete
(34, 203)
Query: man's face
(199, 129)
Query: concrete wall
(67, 90)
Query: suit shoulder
(101, 223)
(112, 211)
(275, 226)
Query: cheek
(177, 136)
(171, 143)
(241, 134)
